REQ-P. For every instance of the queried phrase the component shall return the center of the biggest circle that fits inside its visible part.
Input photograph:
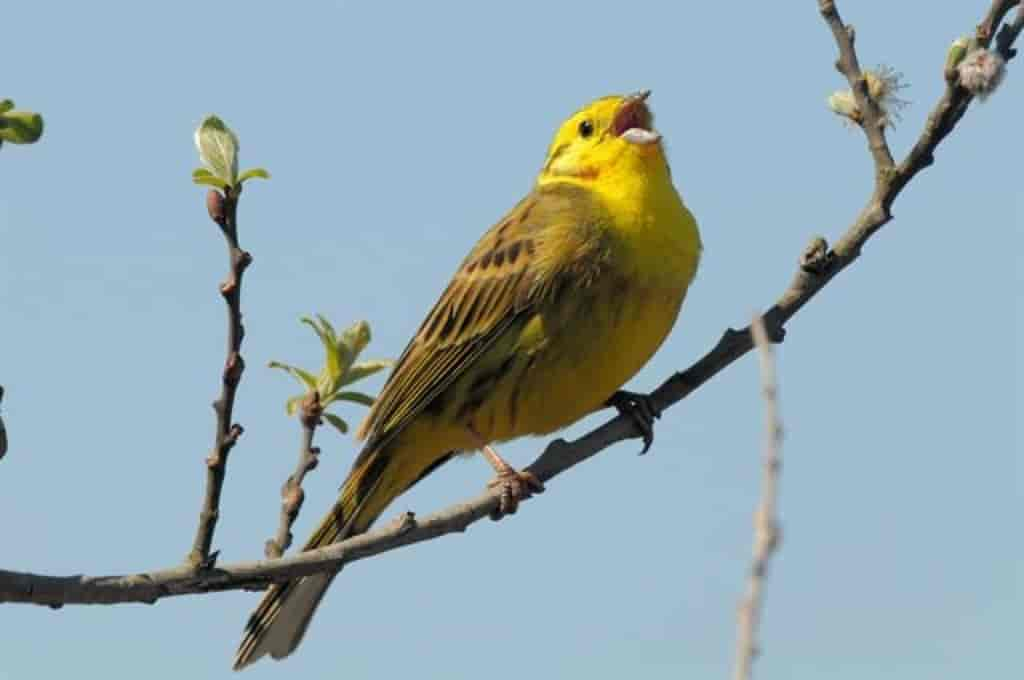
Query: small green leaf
(320, 333)
(333, 360)
(336, 422)
(218, 149)
(356, 337)
(253, 172)
(326, 384)
(957, 52)
(327, 328)
(304, 377)
(291, 406)
(209, 180)
(357, 397)
(6, 105)
(353, 340)
(20, 127)
(365, 369)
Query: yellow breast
(613, 307)
(587, 343)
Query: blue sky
(396, 134)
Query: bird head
(609, 136)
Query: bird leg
(515, 485)
(641, 409)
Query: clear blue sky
(397, 133)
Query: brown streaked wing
(493, 286)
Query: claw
(515, 486)
(641, 409)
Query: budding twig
(292, 494)
(223, 211)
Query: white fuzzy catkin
(883, 83)
(981, 71)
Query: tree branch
(1008, 33)
(223, 209)
(817, 267)
(292, 494)
(766, 523)
(872, 119)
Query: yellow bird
(555, 308)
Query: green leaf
(337, 422)
(957, 52)
(218, 149)
(320, 333)
(357, 397)
(204, 176)
(354, 339)
(304, 377)
(21, 127)
(326, 384)
(291, 406)
(328, 328)
(253, 172)
(365, 369)
(6, 105)
(333, 359)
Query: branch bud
(215, 206)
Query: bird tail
(277, 625)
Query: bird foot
(515, 486)
(641, 409)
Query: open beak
(633, 120)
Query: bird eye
(586, 128)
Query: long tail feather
(277, 625)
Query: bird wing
(509, 271)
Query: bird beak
(633, 120)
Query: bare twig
(1008, 34)
(3, 429)
(817, 266)
(872, 119)
(766, 524)
(292, 494)
(227, 433)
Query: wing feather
(499, 281)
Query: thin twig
(1008, 34)
(951, 107)
(3, 429)
(872, 119)
(227, 433)
(766, 523)
(292, 494)
(817, 266)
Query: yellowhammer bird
(557, 306)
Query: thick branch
(227, 433)
(818, 266)
(292, 494)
